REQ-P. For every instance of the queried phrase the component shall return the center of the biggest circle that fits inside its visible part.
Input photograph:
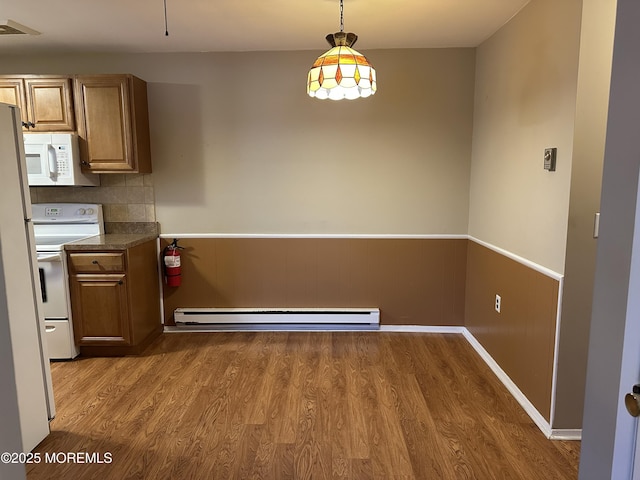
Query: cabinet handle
(85, 163)
(95, 262)
(119, 282)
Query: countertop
(110, 241)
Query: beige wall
(526, 98)
(258, 155)
(238, 146)
(594, 78)
(525, 101)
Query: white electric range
(54, 225)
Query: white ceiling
(246, 25)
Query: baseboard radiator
(217, 319)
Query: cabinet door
(12, 92)
(49, 104)
(113, 123)
(100, 309)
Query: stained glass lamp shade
(341, 72)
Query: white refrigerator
(22, 316)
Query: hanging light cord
(166, 29)
(341, 16)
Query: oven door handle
(43, 285)
(56, 257)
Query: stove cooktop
(55, 243)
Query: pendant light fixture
(341, 72)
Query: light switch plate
(550, 159)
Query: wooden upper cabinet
(45, 101)
(12, 92)
(113, 123)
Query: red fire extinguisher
(172, 269)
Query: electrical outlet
(498, 303)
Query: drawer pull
(120, 282)
(98, 262)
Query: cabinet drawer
(97, 262)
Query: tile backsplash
(124, 197)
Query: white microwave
(53, 159)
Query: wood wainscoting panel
(414, 281)
(521, 338)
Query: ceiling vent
(9, 27)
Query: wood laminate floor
(285, 405)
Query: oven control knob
(81, 211)
(89, 211)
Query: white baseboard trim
(421, 329)
(382, 328)
(566, 434)
(520, 397)
(409, 236)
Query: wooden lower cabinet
(115, 299)
(101, 302)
